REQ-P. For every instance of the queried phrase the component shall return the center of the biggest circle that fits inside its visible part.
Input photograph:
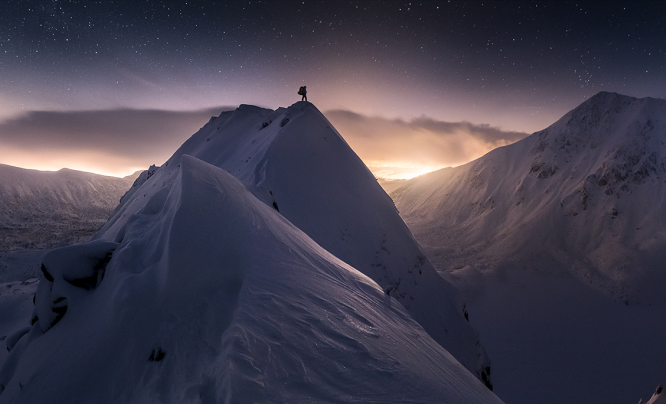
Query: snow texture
(41, 209)
(558, 243)
(209, 295)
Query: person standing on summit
(304, 92)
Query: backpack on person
(300, 91)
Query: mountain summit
(293, 160)
(230, 274)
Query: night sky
(515, 66)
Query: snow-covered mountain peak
(611, 143)
(294, 161)
(588, 189)
(211, 295)
(621, 128)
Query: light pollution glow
(398, 171)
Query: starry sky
(478, 74)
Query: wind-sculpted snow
(294, 161)
(558, 243)
(209, 295)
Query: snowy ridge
(586, 193)
(41, 209)
(295, 161)
(207, 294)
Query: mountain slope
(558, 244)
(41, 209)
(209, 295)
(293, 160)
(587, 193)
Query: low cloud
(120, 141)
(136, 137)
(421, 141)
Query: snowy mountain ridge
(225, 275)
(218, 298)
(285, 157)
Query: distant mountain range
(46, 209)
(571, 218)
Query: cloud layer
(422, 142)
(120, 141)
(108, 141)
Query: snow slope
(45, 209)
(40, 210)
(15, 308)
(587, 192)
(558, 243)
(205, 294)
(294, 161)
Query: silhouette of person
(305, 94)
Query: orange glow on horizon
(398, 170)
(91, 162)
